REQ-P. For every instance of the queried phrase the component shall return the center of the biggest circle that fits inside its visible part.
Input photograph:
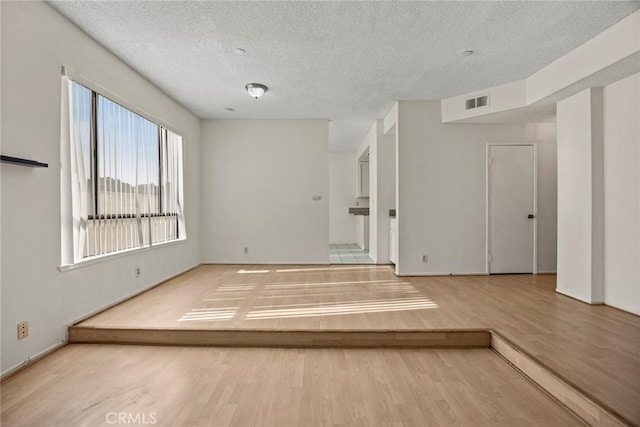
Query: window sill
(111, 256)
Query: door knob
(531, 216)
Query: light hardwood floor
(83, 384)
(595, 348)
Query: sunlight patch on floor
(294, 299)
(358, 307)
(331, 293)
(308, 284)
(361, 267)
(206, 314)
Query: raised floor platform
(595, 350)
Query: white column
(621, 102)
(581, 196)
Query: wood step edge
(581, 403)
(465, 338)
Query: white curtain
(80, 130)
(128, 179)
(175, 141)
(171, 225)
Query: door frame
(533, 144)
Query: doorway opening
(348, 253)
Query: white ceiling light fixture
(256, 89)
(239, 51)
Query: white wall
(599, 195)
(580, 206)
(363, 232)
(367, 235)
(375, 214)
(547, 189)
(342, 196)
(258, 178)
(386, 192)
(441, 189)
(381, 189)
(36, 42)
(621, 102)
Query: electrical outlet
(425, 259)
(138, 271)
(23, 330)
(246, 250)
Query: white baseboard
(264, 263)
(32, 359)
(471, 273)
(567, 294)
(626, 310)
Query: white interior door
(511, 187)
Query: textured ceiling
(343, 61)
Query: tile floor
(348, 253)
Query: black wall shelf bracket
(23, 162)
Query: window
(126, 174)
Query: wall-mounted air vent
(481, 101)
(469, 104)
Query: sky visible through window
(128, 152)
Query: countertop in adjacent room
(359, 211)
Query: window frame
(68, 263)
